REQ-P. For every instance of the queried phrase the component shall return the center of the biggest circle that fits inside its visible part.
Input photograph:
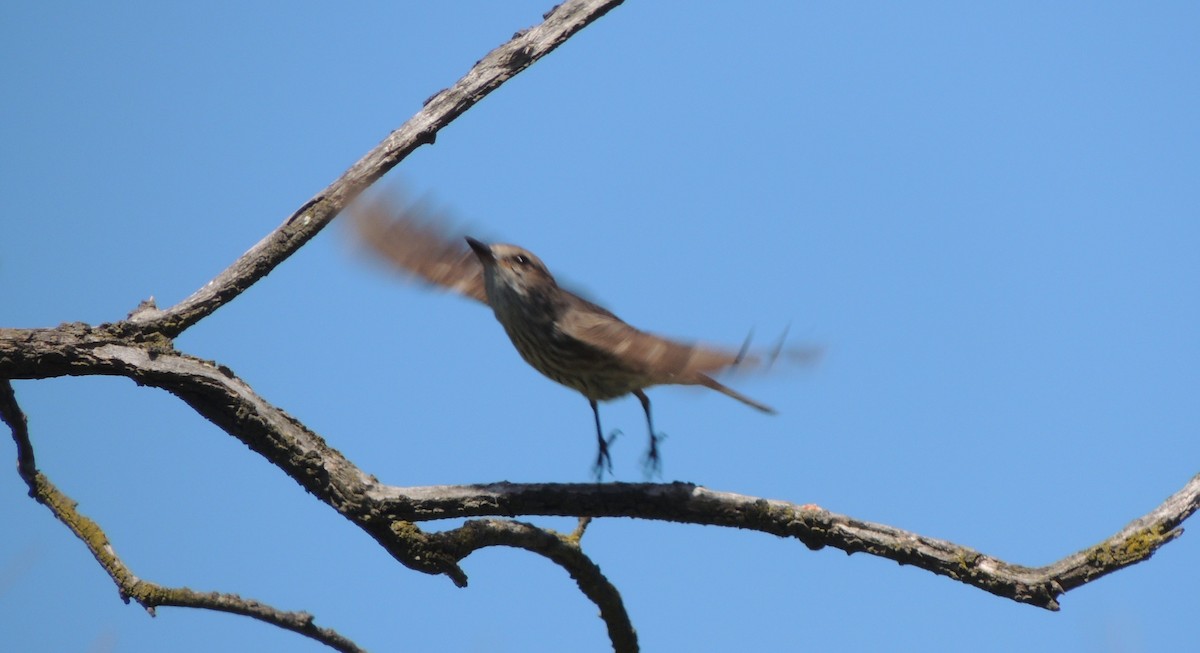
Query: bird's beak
(481, 250)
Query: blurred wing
(415, 240)
(662, 359)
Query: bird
(567, 338)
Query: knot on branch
(419, 551)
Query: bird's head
(512, 267)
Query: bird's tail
(709, 382)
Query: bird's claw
(603, 459)
(652, 463)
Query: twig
(149, 595)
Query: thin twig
(149, 595)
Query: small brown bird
(565, 337)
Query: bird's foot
(652, 463)
(603, 460)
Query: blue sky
(986, 213)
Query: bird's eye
(521, 259)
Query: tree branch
(149, 595)
(141, 349)
(563, 550)
(215, 392)
(500, 65)
(814, 526)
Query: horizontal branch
(215, 392)
(814, 526)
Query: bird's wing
(660, 359)
(415, 240)
(663, 359)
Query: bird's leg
(653, 462)
(603, 460)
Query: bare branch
(11, 413)
(140, 348)
(215, 392)
(500, 65)
(563, 550)
(149, 595)
(441, 553)
(812, 525)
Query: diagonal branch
(149, 595)
(500, 65)
(215, 392)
